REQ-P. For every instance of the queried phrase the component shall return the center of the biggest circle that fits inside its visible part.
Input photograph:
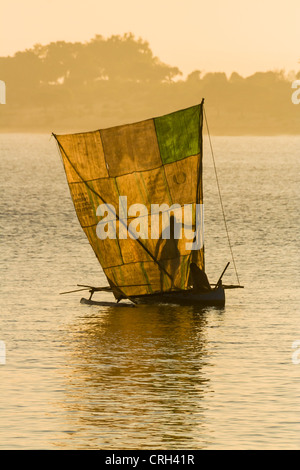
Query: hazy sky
(212, 35)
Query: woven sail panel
(157, 161)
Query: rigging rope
(220, 196)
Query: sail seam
(143, 261)
(131, 172)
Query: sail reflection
(138, 372)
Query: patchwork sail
(125, 178)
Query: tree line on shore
(73, 87)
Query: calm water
(79, 377)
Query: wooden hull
(213, 297)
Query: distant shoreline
(74, 87)
(67, 131)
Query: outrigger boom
(181, 296)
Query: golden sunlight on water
(138, 372)
(164, 377)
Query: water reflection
(136, 378)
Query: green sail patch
(178, 134)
